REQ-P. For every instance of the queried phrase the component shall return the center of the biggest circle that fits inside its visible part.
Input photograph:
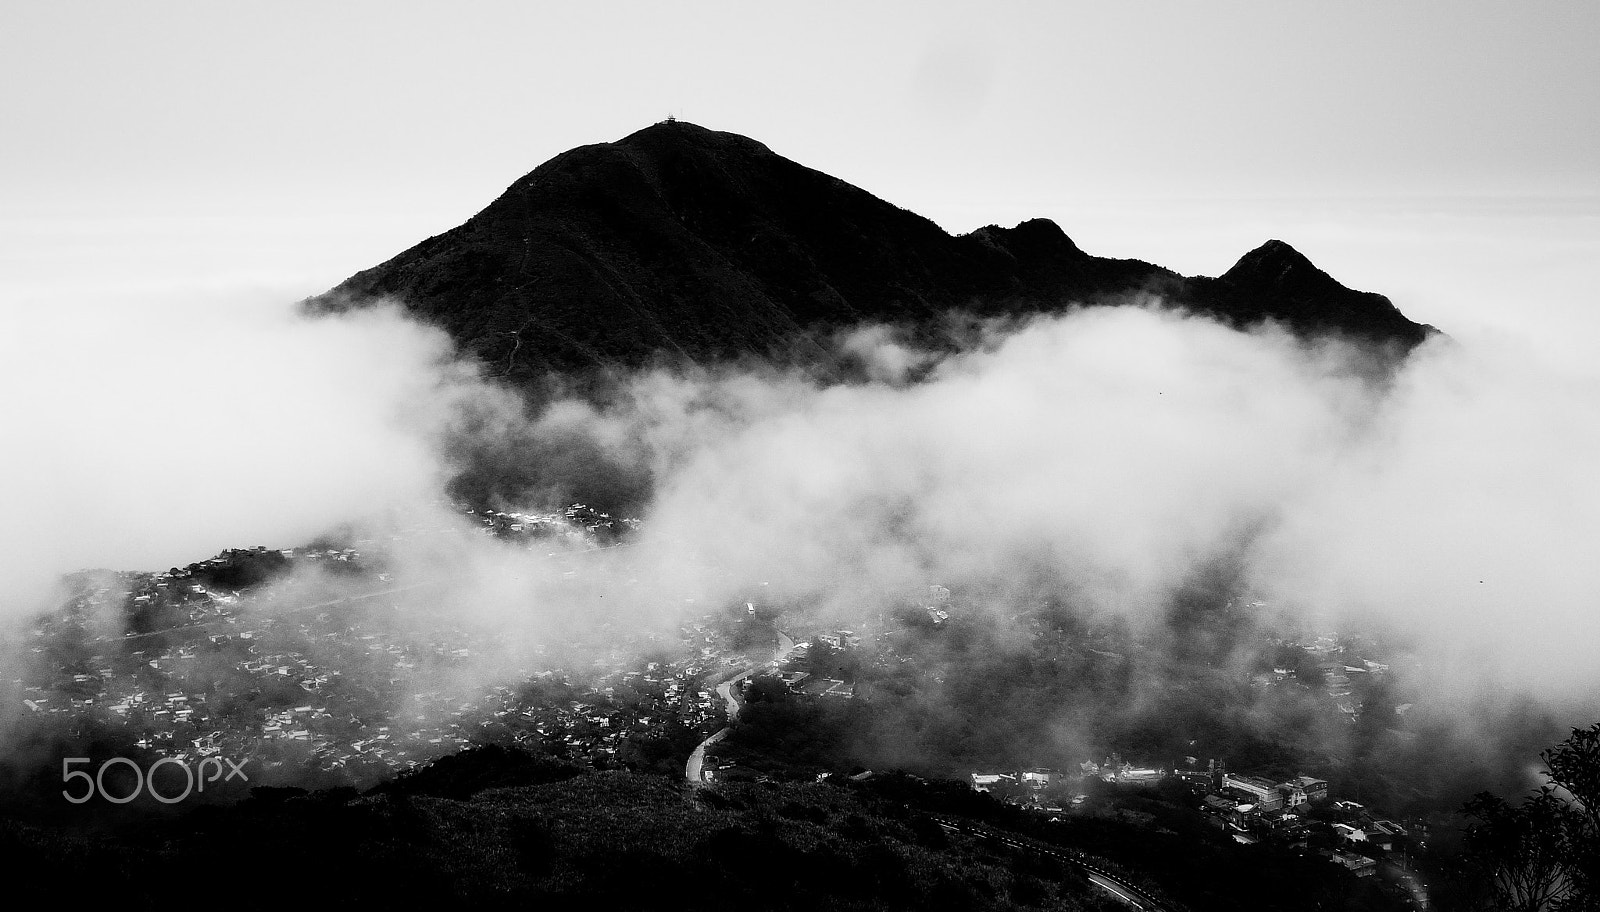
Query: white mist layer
(142, 437)
(1114, 451)
(1470, 520)
(1109, 452)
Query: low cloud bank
(1114, 451)
(138, 438)
(1116, 464)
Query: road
(1125, 892)
(694, 769)
(1115, 889)
(725, 691)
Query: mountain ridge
(682, 243)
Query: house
(981, 782)
(1037, 778)
(1313, 789)
(1359, 865)
(1220, 806)
(1384, 834)
(1387, 827)
(1264, 791)
(1132, 776)
(1293, 795)
(1349, 833)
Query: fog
(139, 437)
(1115, 450)
(1105, 456)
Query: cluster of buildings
(1117, 771)
(345, 696)
(1254, 794)
(1330, 668)
(330, 689)
(791, 665)
(1039, 788)
(1049, 789)
(1296, 811)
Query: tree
(1543, 855)
(1574, 766)
(1521, 850)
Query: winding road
(694, 770)
(1125, 892)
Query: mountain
(682, 242)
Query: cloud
(1103, 459)
(1117, 445)
(1114, 451)
(1467, 517)
(138, 438)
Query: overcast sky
(288, 145)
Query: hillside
(680, 242)
(610, 841)
(496, 828)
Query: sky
(174, 174)
(289, 146)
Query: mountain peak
(684, 242)
(672, 133)
(1286, 286)
(1274, 261)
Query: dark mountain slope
(605, 841)
(684, 242)
(497, 829)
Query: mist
(1115, 450)
(144, 436)
(1113, 465)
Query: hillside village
(336, 693)
(335, 690)
(1297, 812)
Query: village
(1296, 812)
(334, 694)
(338, 695)
(340, 698)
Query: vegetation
(1541, 854)
(495, 829)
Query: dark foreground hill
(494, 828)
(682, 242)
(606, 841)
